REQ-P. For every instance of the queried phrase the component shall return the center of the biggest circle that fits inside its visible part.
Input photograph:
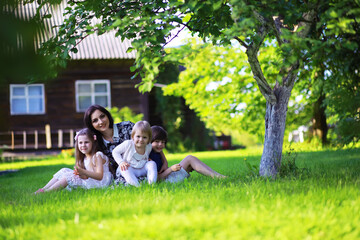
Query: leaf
(133, 68)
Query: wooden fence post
(24, 139)
(71, 138)
(60, 138)
(36, 139)
(48, 136)
(12, 140)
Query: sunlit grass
(322, 204)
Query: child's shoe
(40, 190)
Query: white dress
(74, 181)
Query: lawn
(321, 202)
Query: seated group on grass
(124, 152)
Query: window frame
(27, 98)
(92, 93)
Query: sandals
(40, 190)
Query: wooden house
(46, 114)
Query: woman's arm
(98, 171)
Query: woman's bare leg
(190, 163)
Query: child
(91, 168)
(177, 172)
(132, 156)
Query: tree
(178, 120)
(218, 85)
(298, 30)
(19, 61)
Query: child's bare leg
(190, 163)
(58, 185)
(50, 183)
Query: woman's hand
(175, 167)
(124, 166)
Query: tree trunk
(320, 127)
(275, 119)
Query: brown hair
(79, 156)
(88, 122)
(159, 133)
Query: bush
(124, 114)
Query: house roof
(105, 46)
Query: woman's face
(99, 121)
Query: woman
(100, 121)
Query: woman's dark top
(122, 132)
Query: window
(90, 92)
(27, 99)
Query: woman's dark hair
(158, 133)
(91, 110)
(88, 122)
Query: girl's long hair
(88, 122)
(79, 156)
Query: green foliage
(176, 118)
(288, 167)
(19, 61)
(220, 77)
(324, 205)
(150, 25)
(252, 169)
(301, 35)
(67, 153)
(124, 114)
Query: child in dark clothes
(177, 172)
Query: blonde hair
(144, 127)
(79, 156)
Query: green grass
(323, 203)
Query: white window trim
(93, 94)
(27, 97)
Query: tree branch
(176, 35)
(306, 24)
(266, 90)
(264, 87)
(252, 52)
(262, 32)
(289, 79)
(309, 17)
(276, 25)
(241, 42)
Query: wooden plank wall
(60, 103)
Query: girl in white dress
(91, 168)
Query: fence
(37, 139)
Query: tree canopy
(19, 60)
(305, 36)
